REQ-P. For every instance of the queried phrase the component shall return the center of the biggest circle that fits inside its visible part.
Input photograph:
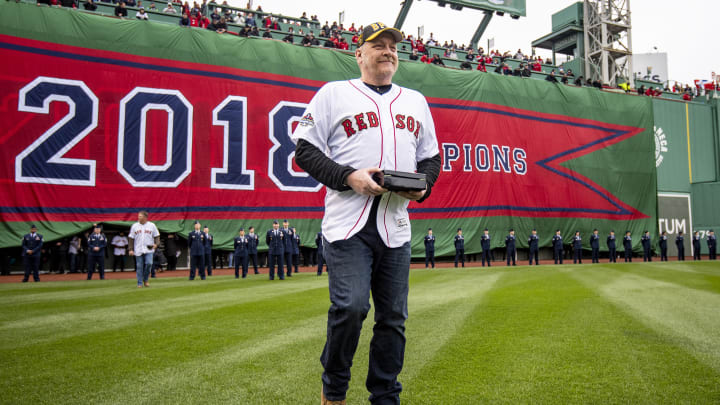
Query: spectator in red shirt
(413, 44)
(354, 39)
(194, 21)
(481, 66)
(352, 28)
(420, 46)
(425, 59)
(343, 44)
(687, 96)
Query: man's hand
(131, 252)
(96, 249)
(411, 195)
(361, 182)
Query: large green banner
(679, 127)
(106, 117)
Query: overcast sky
(686, 30)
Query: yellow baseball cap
(371, 31)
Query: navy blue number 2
(43, 161)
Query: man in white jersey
(350, 131)
(144, 239)
(119, 243)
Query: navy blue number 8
(283, 150)
(43, 161)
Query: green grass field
(631, 334)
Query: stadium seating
(107, 8)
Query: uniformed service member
(295, 249)
(612, 247)
(97, 242)
(595, 246)
(31, 249)
(320, 258)
(697, 247)
(533, 241)
(680, 243)
(663, 247)
(253, 242)
(276, 250)
(627, 246)
(646, 243)
(240, 244)
(287, 247)
(510, 251)
(429, 248)
(459, 248)
(208, 242)
(485, 244)
(577, 248)
(557, 244)
(196, 247)
(712, 245)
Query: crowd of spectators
(259, 24)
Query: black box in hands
(401, 181)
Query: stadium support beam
(608, 41)
(403, 14)
(481, 30)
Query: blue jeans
(356, 268)
(143, 264)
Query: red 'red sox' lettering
(412, 125)
(370, 119)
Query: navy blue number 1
(232, 115)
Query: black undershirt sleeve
(431, 168)
(320, 167)
(334, 175)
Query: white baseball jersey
(143, 236)
(358, 127)
(119, 241)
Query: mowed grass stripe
(124, 293)
(67, 291)
(504, 335)
(148, 306)
(687, 317)
(83, 368)
(289, 359)
(540, 336)
(703, 276)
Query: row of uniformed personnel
(576, 243)
(32, 247)
(283, 248)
